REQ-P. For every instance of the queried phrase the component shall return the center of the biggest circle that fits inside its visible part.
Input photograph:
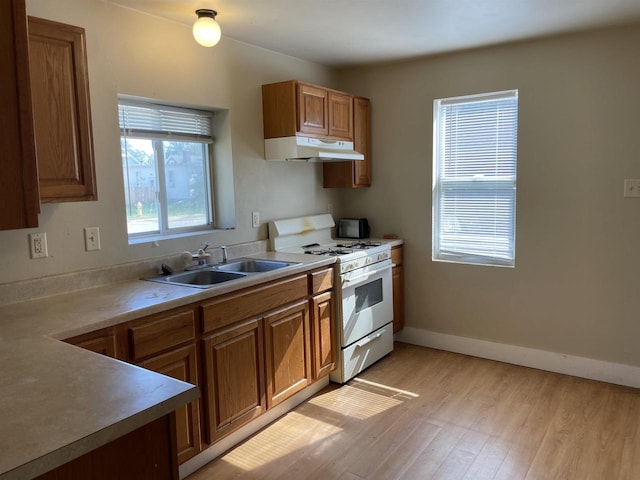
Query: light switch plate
(631, 187)
(91, 238)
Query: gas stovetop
(312, 236)
(349, 255)
(339, 248)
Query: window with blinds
(166, 162)
(474, 178)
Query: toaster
(353, 228)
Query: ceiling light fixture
(206, 30)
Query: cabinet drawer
(164, 332)
(396, 255)
(321, 281)
(252, 302)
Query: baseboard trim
(610, 372)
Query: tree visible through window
(474, 178)
(167, 168)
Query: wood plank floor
(427, 414)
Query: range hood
(307, 149)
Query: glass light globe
(206, 31)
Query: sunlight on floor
(384, 389)
(358, 402)
(273, 443)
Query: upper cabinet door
(313, 113)
(353, 174)
(340, 115)
(19, 192)
(62, 113)
(362, 141)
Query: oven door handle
(368, 340)
(366, 275)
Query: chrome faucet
(225, 258)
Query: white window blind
(163, 122)
(474, 181)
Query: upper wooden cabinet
(297, 108)
(19, 192)
(61, 110)
(357, 173)
(340, 115)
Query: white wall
(138, 54)
(575, 288)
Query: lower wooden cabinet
(147, 452)
(398, 288)
(234, 377)
(103, 342)
(249, 351)
(287, 341)
(182, 364)
(164, 343)
(323, 335)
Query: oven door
(367, 301)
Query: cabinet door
(62, 115)
(288, 352)
(398, 298)
(19, 192)
(182, 365)
(101, 341)
(313, 110)
(323, 335)
(356, 173)
(362, 141)
(234, 377)
(341, 115)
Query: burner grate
(360, 245)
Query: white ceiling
(342, 33)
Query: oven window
(368, 295)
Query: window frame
(500, 185)
(204, 136)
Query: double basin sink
(212, 275)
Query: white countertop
(59, 401)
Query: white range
(364, 295)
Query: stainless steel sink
(204, 278)
(212, 275)
(252, 265)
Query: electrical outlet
(330, 208)
(631, 188)
(255, 219)
(38, 245)
(91, 238)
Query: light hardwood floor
(427, 414)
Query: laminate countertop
(59, 401)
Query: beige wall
(575, 288)
(138, 54)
